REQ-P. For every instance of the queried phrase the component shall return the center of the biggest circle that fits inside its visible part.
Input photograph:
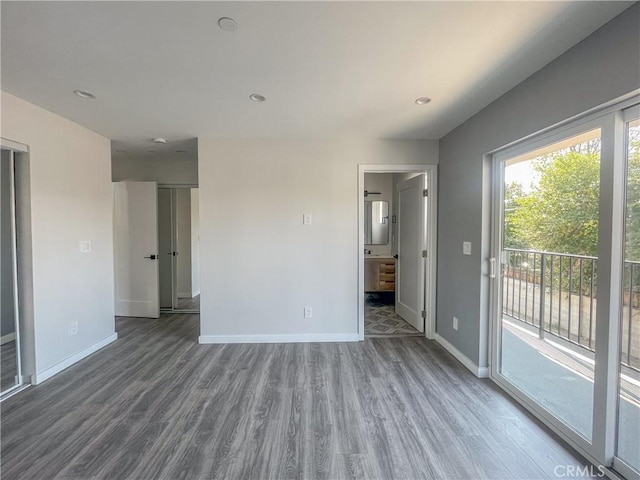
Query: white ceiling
(327, 68)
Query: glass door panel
(10, 375)
(628, 444)
(549, 277)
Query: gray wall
(603, 67)
(7, 323)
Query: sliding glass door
(565, 303)
(549, 275)
(628, 435)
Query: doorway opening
(156, 249)
(156, 228)
(397, 258)
(178, 247)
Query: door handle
(492, 267)
(175, 254)
(152, 257)
(395, 256)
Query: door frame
(609, 118)
(431, 239)
(174, 292)
(22, 263)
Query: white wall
(599, 69)
(383, 183)
(183, 241)
(162, 171)
(195, 242)
(260, 266)
(71, 200)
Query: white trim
(177, 185)
(184, 295)
(15, 146)
(57, 368)
(195, 294)
(632, 113)
(623, 468)
(431, 240)
(480, 372)
(9, 337)
(285, 338)
(10, 392)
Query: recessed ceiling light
(422, 100)
(83, 94)
(227, 24)
(182, 152)
(256, 97)
(160, 140)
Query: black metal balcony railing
(557, 294)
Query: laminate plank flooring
(188, 303)
(156, 405)
(8, 365)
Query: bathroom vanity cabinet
(379, 274)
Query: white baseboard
(9, 337)
(292, 338)
(480, 372)
(57, 368)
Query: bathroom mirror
(376, 224)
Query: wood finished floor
(188, 303)
(156, 405)
(8, 366)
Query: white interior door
(410, 265)
(136, 249)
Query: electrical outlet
(455, 323)
(85, 246)
(466, 248)
(73, 328)
(306, 219)
(308, 312)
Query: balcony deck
(549, 312)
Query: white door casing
(135, 241)
(410, 267)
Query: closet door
(10, 364)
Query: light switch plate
(466, 248)
(85, 246)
